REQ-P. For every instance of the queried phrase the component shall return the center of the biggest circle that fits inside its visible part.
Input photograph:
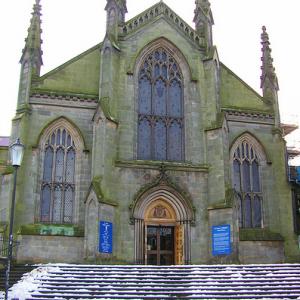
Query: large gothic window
(58, 184)
(160, 108)
(247, 184)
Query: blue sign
(221, 240)
(105, 237)
(298, 173)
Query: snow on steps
(64, 281)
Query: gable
(80, 75)
(236, 94)
(162, 10)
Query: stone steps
(61, 281)
(16, 273)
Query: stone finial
(33, 42)
(123, 5)
(119, 5)
(115, 17)
(203, 19)
(269, 81)
(203, 4)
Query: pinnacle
(33, 40)
(264, 35)
(268, 70)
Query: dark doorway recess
(160, 245)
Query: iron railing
(4, 248)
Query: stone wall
(44, 249)
(256, 252)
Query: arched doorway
(160, 233)
(162, 220)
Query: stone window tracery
(58, 182)
(160, 108)
(247, 185)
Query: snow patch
(24, 288)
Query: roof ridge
(68, 62)
(242, 80)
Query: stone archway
(163, 236)
(163, 207)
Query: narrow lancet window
(247, 185)
(58, 184)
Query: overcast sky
(73, 26)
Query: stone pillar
(187, 242)
(139, 241)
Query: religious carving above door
(160, 210)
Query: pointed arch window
(160, 108)
(58, 182)
(247, 184)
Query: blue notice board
(221, 240)
(105, 237)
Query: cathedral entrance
(162, 221)
(161, 241)
(160, 245)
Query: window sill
(156, 165)
(259, 234)
(52, 230)
(222, 205)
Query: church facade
(147, 149)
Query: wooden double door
(160, 245)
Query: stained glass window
(160, 108)
(58, 184)
(246, 183)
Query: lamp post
(16, 151)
